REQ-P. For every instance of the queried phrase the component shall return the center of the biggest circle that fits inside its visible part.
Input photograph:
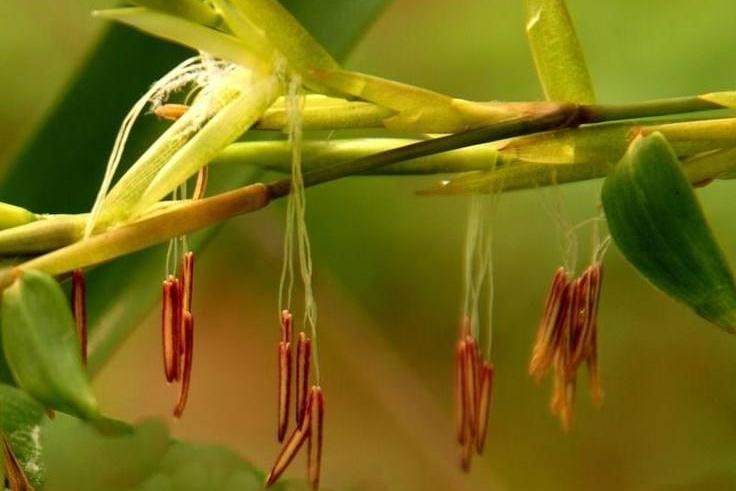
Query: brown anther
(286, 326)
(466, 456)
(79, 310)
(171, 328)
(187, 357)
(186, 287)
(171, 112)
(461, 413)
(303, 362)
(290, 448)
(487, 373)
(553, 319)
(314, 449)
(284, 360)
(14, 475)
(200, 187)
(470, 383)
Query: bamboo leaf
(186, 33)
(41, 345)
(21, 419)
(557, 52)
(656, 221)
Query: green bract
(41, 345)
(656, 221)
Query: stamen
(286, 326)
(284, 388)
(466, 456)
(188, 342)
(470, 361)
(552, 318)
(170, 328)
(303, 360)
(461, 413)
(314, 453)
(16, 478)
(291, 447)
(487, 371)
(171, 112)
(79, 310)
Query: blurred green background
(388, 277)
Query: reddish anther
(284, 360)
(286, 326)
(470, 382)
(461, 413)
(303, 362)
(290, 448)
(79, 310)
(316, 417)
(187, 356)
(171, 328)
(553, 318)
(487, 373)
(171, 112)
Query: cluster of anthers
(309, 406)
(567, 337)
(473, 387)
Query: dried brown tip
(79, 310)
(200, 187)
(554, 316)
(289, 449)
(16, 478)
(187, 357)
(314, 453)
(303, 360)
(284, 360)
(487, 372)
(171, 112)
(171, 328)
(461, 413)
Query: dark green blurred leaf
(42, 347)
(657, 222)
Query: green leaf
(41, 345)
(657, 223)
(557, 52)
(20, 421)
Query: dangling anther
(186, 368)
(314, 453)
(470, 386)
(285, 369)
(14, 475)
(461, 412)
(303, 362)
(553, 320)
(487, 372)
(171, 112)
(79, 310)
(290, 448)
(171, 328)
